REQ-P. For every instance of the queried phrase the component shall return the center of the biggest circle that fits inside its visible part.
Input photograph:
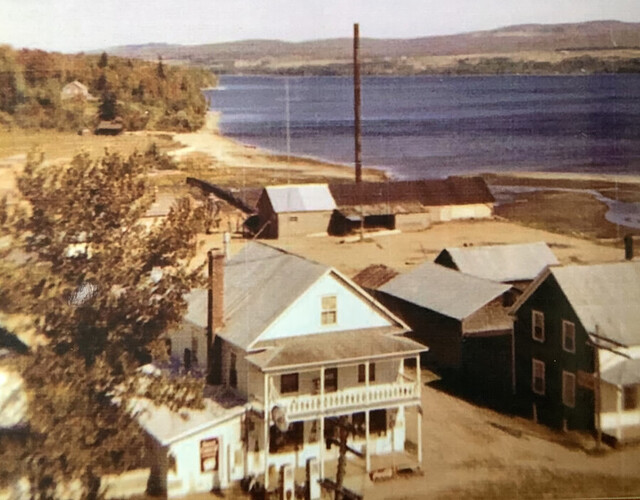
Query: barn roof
(430, 192)
(300, 198)
(374, 276)
(444, 290)
(605, 297)
(502, 262)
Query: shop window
(329, 310)
(289, 440)
(289, 383)
(378, 421)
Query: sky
(83, 25)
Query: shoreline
(230, 153)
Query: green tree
(102, 288)
(108, 106)
(160, 69)
(103, 62)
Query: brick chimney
(215, 312)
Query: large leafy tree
(102, 288)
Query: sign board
(209, 449)
(586, 380)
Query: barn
(409, 205)
(294, 210)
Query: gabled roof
(260, 283)
(502, 263)
(605, 297)
(396, 194)
(300, 198)
(444, 290)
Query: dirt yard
(474, 452)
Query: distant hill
(611, 43)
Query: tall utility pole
(356, 101)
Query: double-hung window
(568, 336)
(537, 325)
(537, 377)
(568, 389)
(329, 310)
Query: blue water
(417, 127)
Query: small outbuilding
(295, 210)
(113, 127)
(75, 90)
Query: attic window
(329, 310)
(537, 326)
(293, 218)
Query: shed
(75, 90)
(295, 210)
(461, 318)
(114, 127)
(194, 451)
(517, 264)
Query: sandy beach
(228, 153)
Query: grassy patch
(66, 144)
(576, 214)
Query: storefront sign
(209, 454)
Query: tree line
(142, 94)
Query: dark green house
(577, 344)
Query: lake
(419, 127)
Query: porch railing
(350, 398)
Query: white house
(299, 344)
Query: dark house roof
(374, 276)
(432, 192)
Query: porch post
(321, 438)
(619, 411)
(366, 418)
(266, 431)
(419, 419)
(368, 445)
